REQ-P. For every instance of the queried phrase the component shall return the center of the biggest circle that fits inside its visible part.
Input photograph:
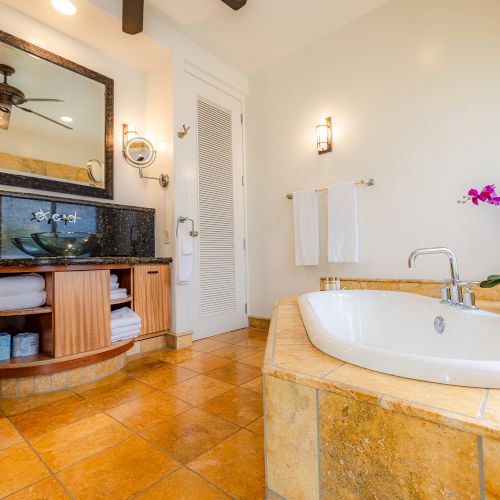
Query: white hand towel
(21, 284)
(24, 301)
(184, 263)
(343, 245)
(305, 218)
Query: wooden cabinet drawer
(81, 311)
(151, 297)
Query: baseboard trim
(259, 323)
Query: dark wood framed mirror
(56, 122)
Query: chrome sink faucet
(451, 292)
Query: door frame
(183, 292)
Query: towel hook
(181, 220)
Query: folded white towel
(21, 284)
(24, 301)
(184, 265)
(119, 293)
(132, 331)
(114, 286)
(306, 221)
(343, 223)
(113, 278)
(118, 296)
(124, 317)
(125, 336)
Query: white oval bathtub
(393, 332)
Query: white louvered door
(216, 171)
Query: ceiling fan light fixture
(64, 7)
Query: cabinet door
(81, 312)
(151, 297)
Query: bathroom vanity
(74, 324)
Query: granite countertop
(291, 356)
(68, 261)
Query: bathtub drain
(439, 324)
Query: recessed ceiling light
(66, 119)
(65, 7)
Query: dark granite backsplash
(127, 231)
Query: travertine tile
(26, 386)
(257, 426)
(235, 352)
(165, 375)
(8, 387)
(491, 459)
(116, 394)
(12, 406)
(153, 344)
(291, 439)
(43, 383)
(70, 444)
(183, 484)
(258, 342)
(233, 337)
(188, 435)
(464, 400)
(235, 373)
(148, 411)
(207, 345)
(171, 356)
(46, 489)
(59, 380)
(254, 385)
(112, 379)
(81, 376)
(239, 406)
(492, 410)
(52, 416)
(8, 434)
(428, 289)
(236, 465)
(254, 360)
(305, 359)
(204, 363)
(118, 472)
(370, 452)
(19, 467)
(198, 389)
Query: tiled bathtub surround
(334, 430)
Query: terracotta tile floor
(171, 425)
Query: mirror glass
(53, 123)
(140, 152)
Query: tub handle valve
(469, 298)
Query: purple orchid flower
(487, 195)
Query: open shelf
(27, 312)
(121, 301)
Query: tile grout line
(484, 402)
(318, 443)
(480, 466)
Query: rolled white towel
(114, 286)
(21, 284)
(113, 278)
(24, 301)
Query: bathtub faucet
(454, 292)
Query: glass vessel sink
(67, 244)
(29, 246)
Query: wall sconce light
(324, 135)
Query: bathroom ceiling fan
(13, 97)
(133, 14)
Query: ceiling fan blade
(132, 16)
(36, 99)
(43, 116)
(4, 119)
(235, 4)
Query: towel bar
(181, 220)
(365, 182)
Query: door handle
(153, 272)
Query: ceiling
(262, 32)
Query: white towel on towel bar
(184, 258)
(343, 244)
(21, 284)
(23, 301)
(305, 218)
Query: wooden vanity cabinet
(81, 311)
(151, 297)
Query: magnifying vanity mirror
(140, 153)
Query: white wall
(414, 92)
(133, 90)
